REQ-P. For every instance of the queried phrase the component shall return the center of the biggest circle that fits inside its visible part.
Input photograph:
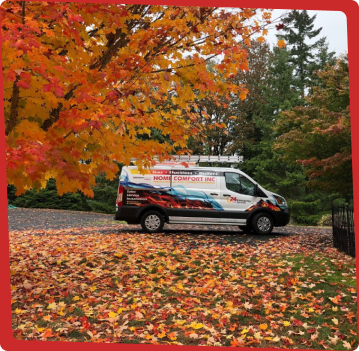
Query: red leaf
(11, 76)
(59, 91)
(22, 84)
(47, 87)
(113, 95)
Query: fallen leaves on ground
(102, 286)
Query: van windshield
(239, 184)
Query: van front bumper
(281, 218)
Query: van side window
(239, 184)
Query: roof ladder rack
(203, 158)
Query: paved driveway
(38, 220)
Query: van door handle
(213, 194)
(226, 195)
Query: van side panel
(190, 190)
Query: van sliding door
(195, 194)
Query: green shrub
(105, 194)
(104, 199)
(49, 198)
(11, 189)
(101, 207)
(326, 220)
(308, 220)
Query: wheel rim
(152, 222)
(264, 224)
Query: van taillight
(119, 200)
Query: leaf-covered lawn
(288, 292)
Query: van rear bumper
(128, 214)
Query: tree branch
(15, 97)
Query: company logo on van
(193, 179)
(233, 199)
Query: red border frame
(7, 341)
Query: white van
(197, 195)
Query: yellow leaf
(286, 323)
(75, 298)
(197, 325)
(112, 314)
(52, 306)
(180, 322)
(335, 321)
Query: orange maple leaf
(281, 43)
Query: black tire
(152, 222)
(262, 223)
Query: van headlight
(281, 200)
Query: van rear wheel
(262, 223)
(152, 222)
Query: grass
(327, 276)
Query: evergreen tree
(323, 60)
(280, 93)
(298, 28)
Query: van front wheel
(262, 223)
(152, 222)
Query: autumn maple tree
(318, 135)
(86, 84)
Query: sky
(334, 24)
